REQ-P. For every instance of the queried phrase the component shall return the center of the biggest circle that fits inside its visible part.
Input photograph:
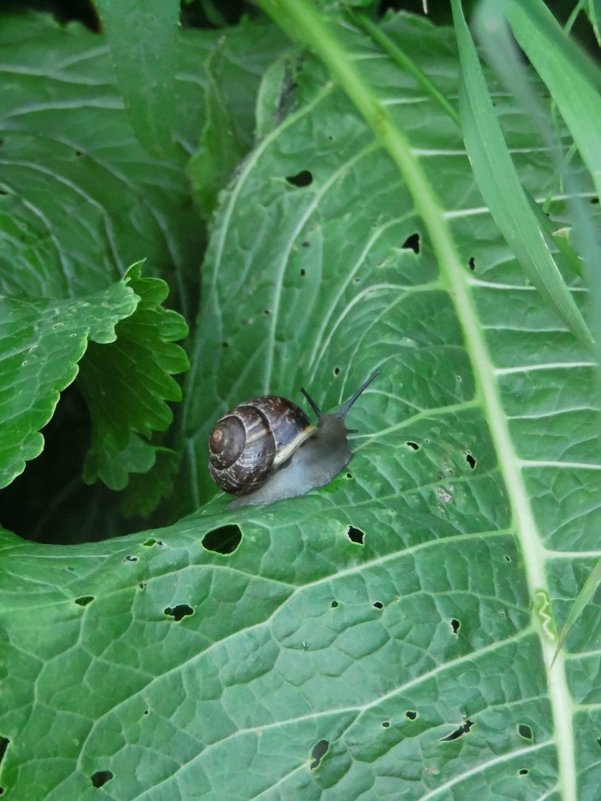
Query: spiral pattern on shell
(253, 439)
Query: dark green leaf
(143, 37)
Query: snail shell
(266, 449)
(253, 439)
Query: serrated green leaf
(145, 491)
(126, 389)
(41, 344)
(145, 66)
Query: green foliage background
(388, 636)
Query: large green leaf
(81, 199)
(384, 637)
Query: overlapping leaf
(376, 638)
(41, 343)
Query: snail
(267, 449)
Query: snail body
(266, 449)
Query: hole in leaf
(142, 585)
(355, 535)
(179, 612)
(413, 445)
(130, 558)
(523, 772)
(507, 558)
(225, 345)
(78, 153)
(146, 712)
(455, 625)
(378, 605)
(469, 458)
(594, 200)
(267, 312)
(458, 732)
(84, 600)
(349, 475)
(334, 604)
(472, 263)
(101, 777)
(336, 371)
(306, 244)
(149, 542)
(4, 742)
(318, 752)
(303, 273)
(385, 724)
(411, 714)
(301, 179)
(598, 740)
(525, 731)
(224, 539)
(411, 243)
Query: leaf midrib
(302, 18)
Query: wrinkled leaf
(126, 390)
(41, 343)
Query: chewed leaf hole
(179, 612)
(598, 740)
(4, 741)
(101, 777)
(318, 752)
(523, 772)
(411, 243)
(455, 625)
(301, 179)
(469, 458)
(84, 600)
(525, 731)
(385, 724)
(413, 445)
(355, 535)
(378, 605)
(334, 604)
(472, 263)
(594, 200)
(130, 558)
(458, 732)
(152, 541)
(411, 714)
(224, 539)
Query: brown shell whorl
(254, 438)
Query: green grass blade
(571, 77)
(594, 14)
(584, 596)
(407, 64)
(501, 189)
